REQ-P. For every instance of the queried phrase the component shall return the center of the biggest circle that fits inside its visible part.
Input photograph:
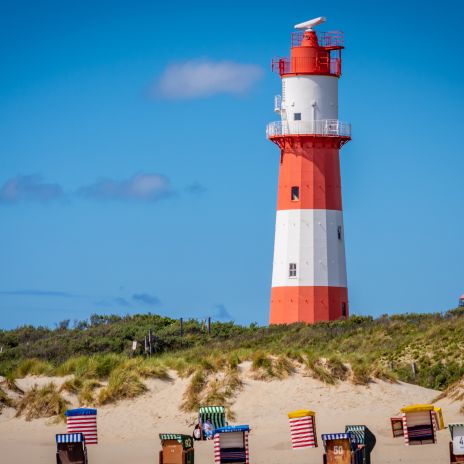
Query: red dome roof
(461, 297)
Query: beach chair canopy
(216, 414)
(418, 408)
(185, 440)
(340, 436)
(232, 428)
(70, 438)
(301, 413)
(80, 412)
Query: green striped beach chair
(216, 414)
(365, 438)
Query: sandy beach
(128, 431)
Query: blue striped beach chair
(71, 448)
(341, 448)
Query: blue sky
(135, 174)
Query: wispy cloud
(140, 187)
(48, 293)
(146, 299)
(222, 313)
(195, 189)
(203, 78)
(29, 188)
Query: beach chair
(231, 445)
(341, 448)
(216, 414)
(456, 445)
(419, 424)
(397, 426)
(366, 440)
(83, 420)
(176, 449)
(303, 429)
(71, 449)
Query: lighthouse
(309, 281)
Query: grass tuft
(41, 402)
(122, 384)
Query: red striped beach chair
(397, 426)
(419, 424)
(71, 449)
(303, 429)
(231, 445)
(83, 420)
(457, 443)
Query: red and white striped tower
(309, 272)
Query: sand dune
(128, 431)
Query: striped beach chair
(231, 445)
(456, 443)
(176, 449)
(83, 420)
(70, 448)
(341, 448)
(303, 429)
(419, 424)
(216, 414)
(366, 440)
(397, 426)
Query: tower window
(292, 270)
(339, 232)
(297, 116)
(295, 193)
(344, 309)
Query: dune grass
(122, 384)
(32, 367)
(5, 400)
(40, 402)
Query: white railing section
(278, 103)
(327, 127)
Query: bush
(33, 367)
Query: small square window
(295, 193)
(297, 116)
(292, 270)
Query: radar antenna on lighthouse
(309, 281)
(308, 25)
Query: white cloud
(202, 78)
(141, 187)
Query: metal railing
(330, 39)
(332, 66)
(326, 127)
